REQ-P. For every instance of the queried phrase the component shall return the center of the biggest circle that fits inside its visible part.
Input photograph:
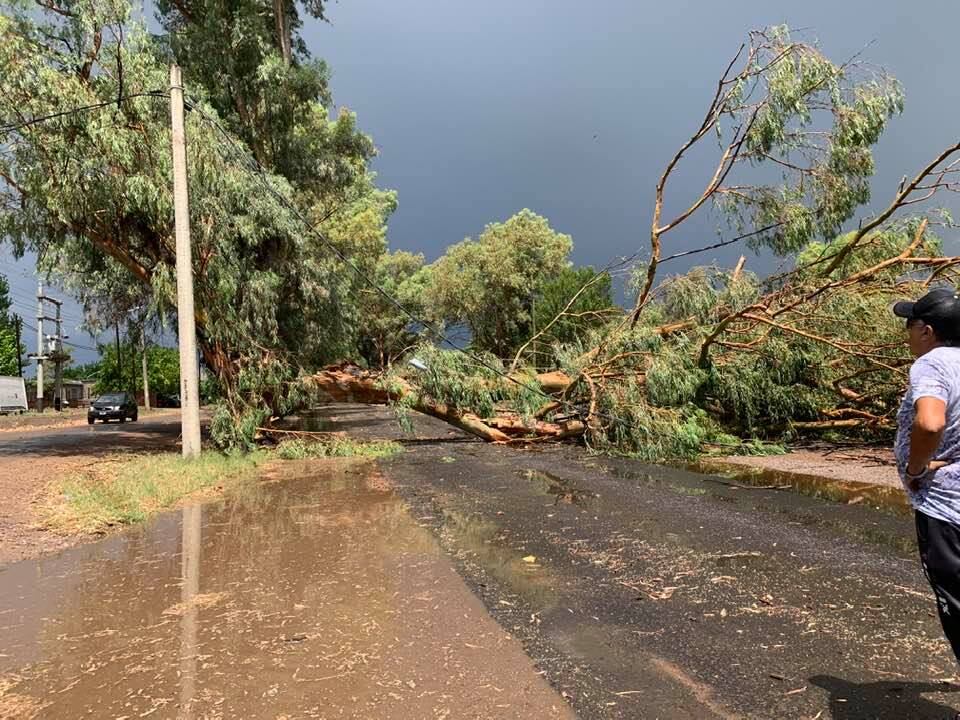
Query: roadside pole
(58, 364)
(39, 355)
(186, 320)
(116, 329)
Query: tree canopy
(489, 284)
(163, 369)
(90, 193)
(9, 350)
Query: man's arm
(929, 420)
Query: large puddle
(306, 598)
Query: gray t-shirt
(936, 374)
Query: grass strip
(122, 490)
(129, 489)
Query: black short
(939, 544)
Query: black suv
(113, 406)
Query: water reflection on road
(302, 598)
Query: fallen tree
(712, 355)
(729, 358)
(348, 383)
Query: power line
(11, 126)
(30, 308)
(81, 347)
(65, 342)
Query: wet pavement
(151, 432)
(662, 593)
(636, 591)
(314, 594)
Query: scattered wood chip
(664, 594)
(797, 691)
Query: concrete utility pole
(186, 320)
(58, 364)
(40, 353)
(143, 362)
(51, 350)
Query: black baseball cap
(939, 308)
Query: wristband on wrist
(915, 476)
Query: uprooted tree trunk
(347, 383)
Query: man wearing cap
(927, 447)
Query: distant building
(76, 393)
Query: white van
(13, 395)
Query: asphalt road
(649, 592)
(150, 432)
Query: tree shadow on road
(884, 700)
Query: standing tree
(9, 350)
(163, 369)
(489, 284)
(570, 305)
(387, 330)
(268, 90)
(90, 191)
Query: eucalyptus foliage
(814, 121)
(90, 193)
(477, 382)
(489, 284)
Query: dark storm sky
(572, 109)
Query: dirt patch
(856, 464)
(30, 462)
(34, 421)
(23, 486)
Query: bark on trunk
(350, 384)
(283, 31)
